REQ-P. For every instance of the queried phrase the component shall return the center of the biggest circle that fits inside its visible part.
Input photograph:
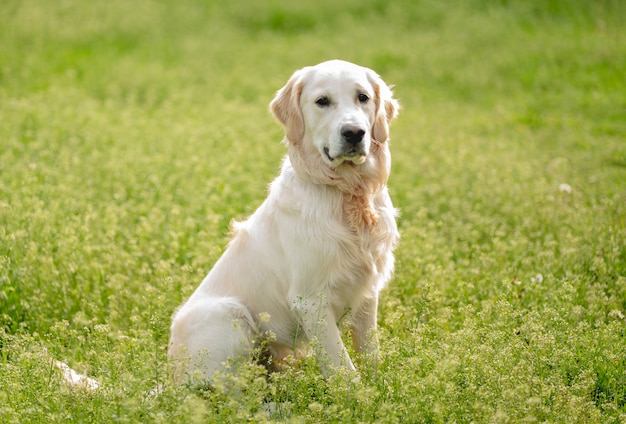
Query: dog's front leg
(316, 318)
(364, 335)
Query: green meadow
(132, 133)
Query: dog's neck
(358, 184)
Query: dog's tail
(74, 379)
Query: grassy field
(131, 133)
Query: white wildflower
(264, 317)
(565, 188)
(316, 407)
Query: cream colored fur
(319, 248)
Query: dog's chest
(321, 245)
(363, 257)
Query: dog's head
(337, 110)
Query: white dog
(319, 249)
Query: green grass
(131, 133)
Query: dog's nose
(352, 134)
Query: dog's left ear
(286, 107)
(386, 108)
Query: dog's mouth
(354, 156)
(327, 152)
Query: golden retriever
(320, 247)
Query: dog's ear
(286, 107)
(386, 108)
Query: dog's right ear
(286, 107)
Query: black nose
(352, 134)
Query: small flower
(316, 407)
(101, 328)
(565, 188)
(537, 279)
(264, 317)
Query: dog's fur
(319, 248)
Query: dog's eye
(323, 101)
(363, 98)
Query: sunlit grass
(131, 133)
